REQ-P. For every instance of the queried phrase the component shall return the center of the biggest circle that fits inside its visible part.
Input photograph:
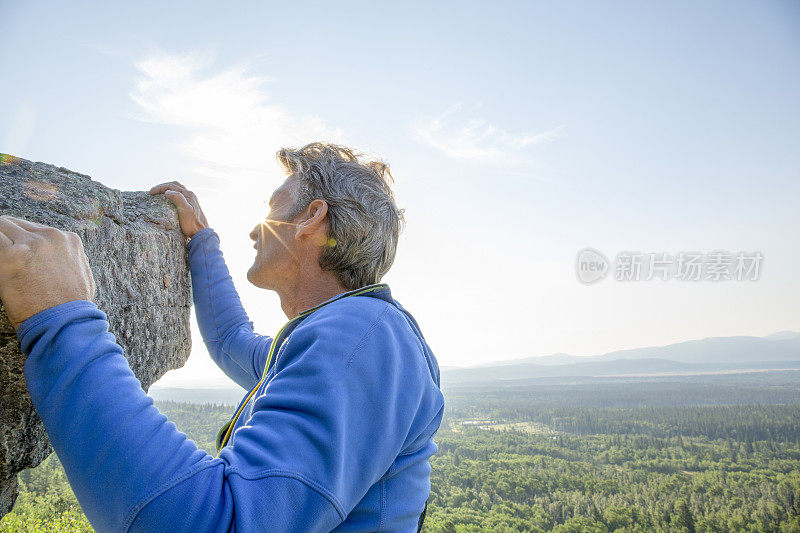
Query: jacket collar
(377, 290)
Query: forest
(686, 454)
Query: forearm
(129, 467)
(223, 322)
(114, 444)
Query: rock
(138, 257)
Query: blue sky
(518, 134)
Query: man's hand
(40, 267)
(190, 215)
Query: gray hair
(364, 221)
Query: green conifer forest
(684, 454)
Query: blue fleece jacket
(335, 435)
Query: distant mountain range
(713, 355)
(716, 354)
(230, 395)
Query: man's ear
(315, 221)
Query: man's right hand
(190, 215)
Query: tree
(684, 516)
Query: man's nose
(255, 232)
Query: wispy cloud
(477, 139)
(231, 125)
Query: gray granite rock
(138, 257)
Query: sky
(518, 134)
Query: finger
(5, 242)
(11, 230)
(42, 230)
(28, 225)
(171, 185)
(160, 188)
(179, 200)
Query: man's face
(274, 240)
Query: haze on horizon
(518, 135)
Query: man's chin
(256, 277)
(251, 276)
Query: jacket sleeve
(329, 426)
(226, 329)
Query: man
(337, 429)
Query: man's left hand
(40, 267)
